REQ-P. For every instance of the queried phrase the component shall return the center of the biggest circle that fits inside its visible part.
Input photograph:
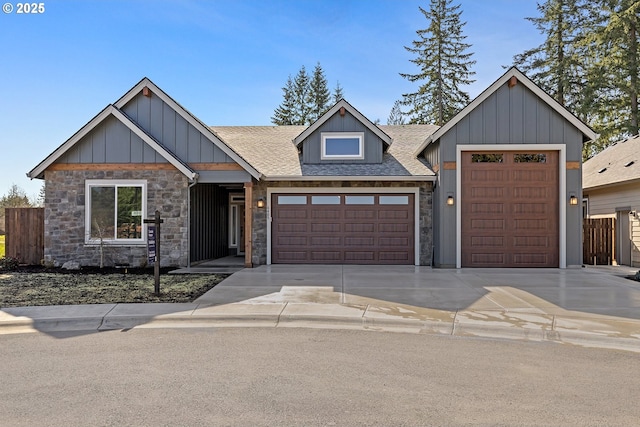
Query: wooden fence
(598, 241)
(25, 234)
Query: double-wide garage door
(342, 228)
(510, 209)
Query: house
(491, 188)
(611, 189)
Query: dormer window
(342, 145)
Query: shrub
(8, 263)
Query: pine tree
(616, 58)
(338, 93)
(305, 99)
(396, 116)
(302, 97)
(444, 66)
(556, 65)
(319, 94)
(283, 115)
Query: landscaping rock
(71, 265)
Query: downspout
(193, 183)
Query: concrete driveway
(544, 304)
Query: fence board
(25, 234)
(598, 243)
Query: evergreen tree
(302, 97)
(556, 65)
(305, 98)
(396, 116)
(443, 63)
(283, 115)
(616, 67)
(338, 93)
(319, 94)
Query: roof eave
(425, 178)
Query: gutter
(422, 178)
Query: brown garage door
(342, 228)
(510, 209)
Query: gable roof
(111, 110)
(271, 150)
(512, 72)
(115, 110)
(190, 118)
(333, 110)
(617, 164)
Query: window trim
(87, 214)
(336, 135)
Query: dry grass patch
(19, 289)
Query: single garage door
(342, 228)
(510, 209)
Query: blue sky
(225, 61)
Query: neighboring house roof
(271, 151)
(38, 171)
(588, 133)
(617, 164)
(357, 114)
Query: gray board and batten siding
(508, 116)
(312, 145)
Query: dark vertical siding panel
(205, 146)
(85, 149)
(516, 131)
(218, 155)
(193, 143)
(209, 222)
(503, 115)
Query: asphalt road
(309, 377)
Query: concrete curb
(589, 331)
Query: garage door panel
(361, 229)
(292, 228)
(513, 223)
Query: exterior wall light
(450, 201)
(260, 203)
(573, 200)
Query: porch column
(248, 223)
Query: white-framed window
(114, 211)
(342, 145)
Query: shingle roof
(614, 165)
(270, 149)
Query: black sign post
(153, 234)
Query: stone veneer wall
(64, 224)
(259, 251)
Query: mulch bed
(36, 286)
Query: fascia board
(512, 72)
(357, 114)
(425, 178)
(191, 119)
